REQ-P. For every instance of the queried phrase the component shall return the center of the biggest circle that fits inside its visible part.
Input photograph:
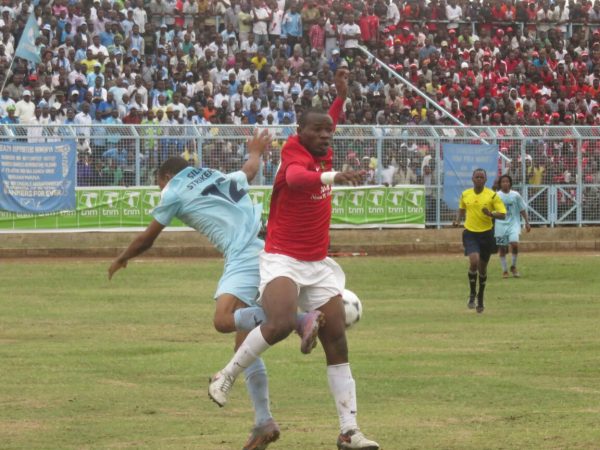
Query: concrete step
(373, 242)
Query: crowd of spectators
(262, 62)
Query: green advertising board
(399, 206)
(123, 208)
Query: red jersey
(300, 204)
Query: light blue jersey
(509, 229)
(218, 206)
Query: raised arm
(341, 87)
(257, 145)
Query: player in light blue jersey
(218, 206)
(507, 231)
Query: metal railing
(556, 169)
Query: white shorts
(506, 234)
(317, 281)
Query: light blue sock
(514, 259)
(258, 387)
(503, 262)
(246, 319)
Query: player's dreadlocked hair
(172, 166)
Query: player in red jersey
(295, 270)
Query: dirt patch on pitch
(17, 427)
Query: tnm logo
(375, 197)
(413, 196)
(88, 199)
(110, 199)
(152, 198)
(337, 199)
(395, 196)
(258, 197)
(132, 198)
(357, 198)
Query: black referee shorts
(483, 243)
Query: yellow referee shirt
(473, 203)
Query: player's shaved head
(315, 130)
(479, 179)
(172, 166)
(305, 116)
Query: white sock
(343, 388)
(251, 348)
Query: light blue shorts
(506, 234)
(241, 276)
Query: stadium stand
(231, 62)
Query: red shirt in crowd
(301, 205)
(317, 37)
(369, 26)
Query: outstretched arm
(257, 145)
(298, 177)
(138, 246)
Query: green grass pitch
(91, 364)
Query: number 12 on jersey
(233, 195)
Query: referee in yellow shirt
(480, 205)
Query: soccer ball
(353, 307)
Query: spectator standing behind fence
(479, 206)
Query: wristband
(328, 177)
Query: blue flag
(26, 48)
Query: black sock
(473, 282)
(482, 280)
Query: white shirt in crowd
(25, 111)
(393, 14)
(82, 118)
(251, 49)
(452, 14)
(217, 76)
(133, 89)
(276, 20)
(349, 30)
(102, 91)
(219, 98)
(140, 17)
(99, 49)
(262, 13)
